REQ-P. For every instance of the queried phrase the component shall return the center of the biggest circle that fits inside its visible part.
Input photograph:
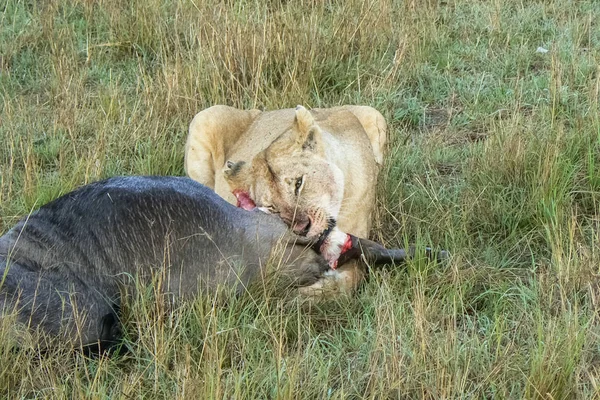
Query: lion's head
(293, 178)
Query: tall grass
(494, 154)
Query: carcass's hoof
(438, 256)
(443, 256)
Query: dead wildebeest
(62, 268)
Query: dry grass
(495, 154)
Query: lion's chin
(322, 231)
(315, 232)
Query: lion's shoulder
(355, 122)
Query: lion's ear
(309, 133)
(236, 174)
(304, 119)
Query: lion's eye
(299, 183)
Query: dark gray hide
(72, 256)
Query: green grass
(494, 154)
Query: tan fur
(333, 154)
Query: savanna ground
(494, 154)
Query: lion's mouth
(244, 200)
(331, 222)
(303, 228)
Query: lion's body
(332, 155)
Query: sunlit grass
(494, 154)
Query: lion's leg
(374, 124)
(212, 133)
(343, 280)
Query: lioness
(64, 267)
(316, 169)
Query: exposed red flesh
(332, 248)
(347, 244)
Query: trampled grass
(494, 155)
